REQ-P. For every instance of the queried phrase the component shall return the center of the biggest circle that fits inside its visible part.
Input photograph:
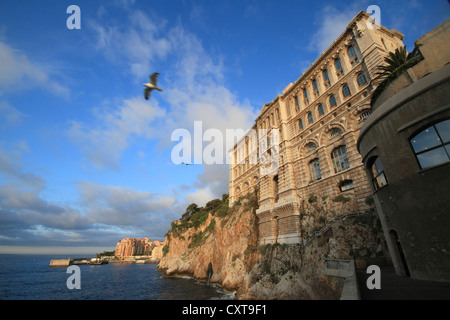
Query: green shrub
(341, 198)
(312, 198)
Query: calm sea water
(29, 277)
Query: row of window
(340, 161)
(361, 78)
(331, 101)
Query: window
(320, 109)
(300, 124)
(345, 90)
(310, 117)
(352, 55)
(314, 166)
(361, 79)
(340, 159)
(377, 173)
(315, 88)
(278, 115)
(364, 114)
(338, 66)
(305, 95)
(311, 146)
(296, 101)
(346, 185)
(326, 79)
(332, 101)
(335, 132)
(432, 145)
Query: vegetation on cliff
(215, 243)
(195, 216)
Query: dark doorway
(400, 254)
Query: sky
(86, 161)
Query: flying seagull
(151, 85)
(188, 164)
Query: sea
(30, 277)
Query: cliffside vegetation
(215, 243)
(195, 216)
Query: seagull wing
(147, 93)
(154, 78)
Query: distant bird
(151, 85)
(188, 164)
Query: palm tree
(393, 61)
(397, 59)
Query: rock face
(129, 247)
(297, 271)
(223, 246)
(221, 249)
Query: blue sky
(85, 160)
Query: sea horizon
(30, 277)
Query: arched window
(314, 166)
(345, 90)
(300, 124)
(377, 173)
(310, 117)
(332, 101)
(361, 79)
(346, 185)
(340, 159)
(311, 146)
(432, 145)
(320, 109)
(335, 132)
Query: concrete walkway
(394, 287)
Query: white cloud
(18, 73)
(104, 141)
(200, 197)
(9, 116)
(331, 22)
(126, 207)
(137, 44)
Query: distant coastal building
(317, 120)
(405, 145)
(130, 247)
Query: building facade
(405, 145)
(303, 142)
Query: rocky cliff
(130, 247)
(219, 244)
(215, 244)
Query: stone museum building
(304, 142)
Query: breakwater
(103, 260)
